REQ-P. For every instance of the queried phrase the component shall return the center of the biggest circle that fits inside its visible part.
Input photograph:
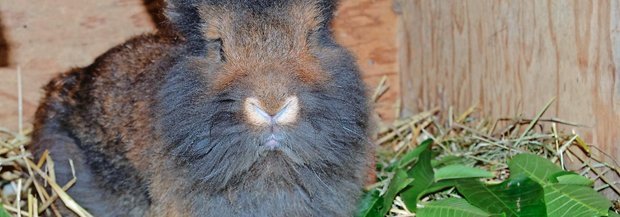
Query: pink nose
(256, 115)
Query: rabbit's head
(263, 94)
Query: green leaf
(537, 168)
(517, 196)
(399, 181)
(574, 200)
(422, 174)
(3, 212)
(458, 171)
(553, 178)
(451, 207)
(438, 186)
(447, 160)
(574, 179)
(369, 205)
(613, 214)
(375, 205)
(563, 197)
(413, 155)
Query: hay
(25, 183)
(488, 144)
(30, 189)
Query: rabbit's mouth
(273, 142)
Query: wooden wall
(48, 37)
(508, 57)
(45, 38)
(511, 57)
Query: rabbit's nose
(257, 115)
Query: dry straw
(488, 143)
(29, 187)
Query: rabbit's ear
(312, 15)
(184, 16)
(327, 9)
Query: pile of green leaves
(535, 187)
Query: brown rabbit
(246, 108)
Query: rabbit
(241, 108)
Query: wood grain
(368, 29)
(48, 37)
(513, 56)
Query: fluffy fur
(155, 126)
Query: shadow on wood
(4, 46)
(155, 8)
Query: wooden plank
(48, 37)
(512, 56)
(368, 29)
(4, 47)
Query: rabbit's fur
(157, 126)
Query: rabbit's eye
(215, 50)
